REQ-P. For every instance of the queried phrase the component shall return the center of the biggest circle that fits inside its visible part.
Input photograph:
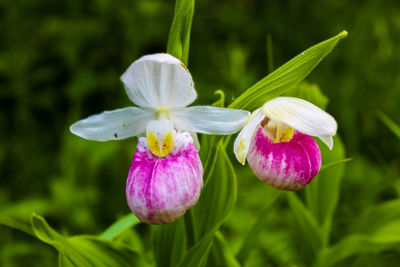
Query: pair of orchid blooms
(166, 175)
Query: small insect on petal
(160, 190)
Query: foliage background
(61, 61)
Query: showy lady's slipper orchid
(160, 190)
(165, 178)
(278, 145)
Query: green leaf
(287, 76)
(85, 250)
(179, 34)
(11, 222)
(169, 243)
(355, 244)
(250, 241)
(305, 228)
(322, 194)
(394, 127)
(119, 226)
(197, 256)
(216, 200)
(310, 92)
(221, 255)
(377, 229)
(218, 196)
(377, 216)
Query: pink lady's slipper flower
(165, 177)
(278, 145)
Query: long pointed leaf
(287, 76)
(119, 226)
(179, 34)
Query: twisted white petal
(242, 142)
(113, 125)
(328, 140)
(302, 116)
(209, 120)
(159, 80)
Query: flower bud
(159, 190)
(284, 165)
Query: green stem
(189, 227)
(270, 56)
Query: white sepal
(242, 142)
(159, 81)
(209, 120)
(301, 115)
(113, 125)
(328, 140)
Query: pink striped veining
(286, 165)
(160, 190)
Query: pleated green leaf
(218, 196)
(287, 76)
(221, 255)
(323, 193)
(250, 241)
(179, 34)
(216, 200)
(169, 243)
(305, 229)
(85, 250)
(197, 256)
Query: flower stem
(189, 226)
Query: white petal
(113, 125)
(301, 115)
(242, 142)
(328, 140)
(159, 80)
(209, 120)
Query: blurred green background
(60, 61)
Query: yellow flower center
(278, 132)
(160, 149)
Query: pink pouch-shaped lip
(160, 190)
(285, 165)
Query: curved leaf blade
(85, 250)
(179, 34)
(287, 76)
(119, 226)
